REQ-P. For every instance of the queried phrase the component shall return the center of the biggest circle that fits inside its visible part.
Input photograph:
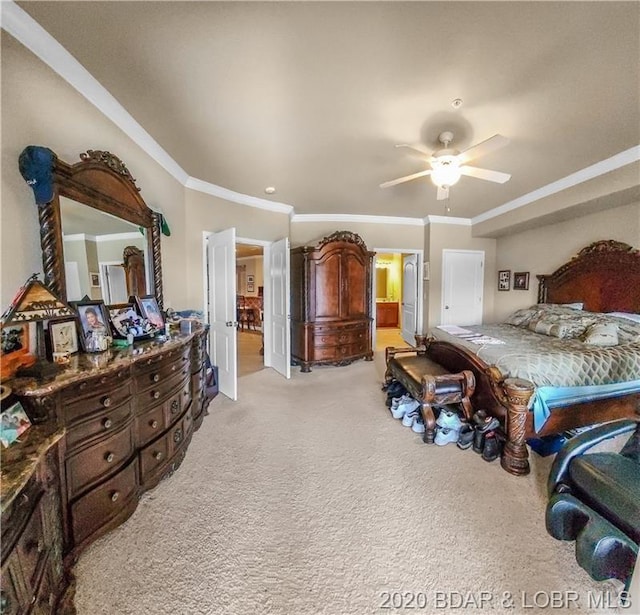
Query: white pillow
(573, 306)
(628, 315)
(601, 334)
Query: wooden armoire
(331, 301)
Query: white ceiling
(310, 97)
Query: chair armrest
(580, 444)
(392, 351)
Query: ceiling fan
(448, 164)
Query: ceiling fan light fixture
(446, 171)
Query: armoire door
(354, 285)
(326, 276)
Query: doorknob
(446, 307)
(231, 323)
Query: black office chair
(594, 499)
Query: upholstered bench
(429, 383)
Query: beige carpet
(306, 497)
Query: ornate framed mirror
(100, 181)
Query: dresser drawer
(150, 424)
(339, 353)
(91, 386)
(176, 404)
(160, 391)
(98, 461)
(14, 599)
(153, 370)
(153, 456)
(102, 423)
(93, 510)
(32, 548)
(336, 338)
(97, 400)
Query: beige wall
(375, 236)
(543, 250)
(253, 266)
(206, 213)
(40, 108)
(453, 236)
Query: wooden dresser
(124, 420)
(331, 301)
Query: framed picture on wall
(521, 280)
(504, 279)
(95, 280)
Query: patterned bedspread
(566, 355)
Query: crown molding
(79, 237)
(447, 220)
(236, 197)
(119, 236)
(357, 218)
(595, 170)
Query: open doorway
(398, 292)
(250, 307)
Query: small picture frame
(63, 335)
(504, 279)
(125, 319)
(15, 348)
(95, 280)
(148, 307)
(93, 324)
(13, 423)
(521, 280)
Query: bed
(536, 372)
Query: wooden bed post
(515, 458)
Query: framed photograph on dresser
(63, 335)
(149, 309)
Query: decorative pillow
(601, 334)
(560, 326)
(521, 318)
(574, 306)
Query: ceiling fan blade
(407, 178)
(492, 176)
(490, 145)
(418, 149)
(443, 193)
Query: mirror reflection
(105, 258)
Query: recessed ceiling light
(270, 190)
(456, 103)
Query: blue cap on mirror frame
(36, 166)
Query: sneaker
(491, 450)
(445, 435)
(465, 437)
(449, 418)
(418, 424)
(411, 413)
(399, 406)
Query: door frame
(420, 289)
(266, 248)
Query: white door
(409, 297)
(462, 287)
(223, 341)
(277, 318)
(114, 287)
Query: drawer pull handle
(157, 455)
(177, 436)
(109, 457)
(174, 368)
(107, 423)
(155, 377)
(24, 499)
(154, 424)
(106, 402)
(175, 406)
(114, 496)
(155, 394)
(103, 379)
(83, 386)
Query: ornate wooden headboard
(605, 276)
